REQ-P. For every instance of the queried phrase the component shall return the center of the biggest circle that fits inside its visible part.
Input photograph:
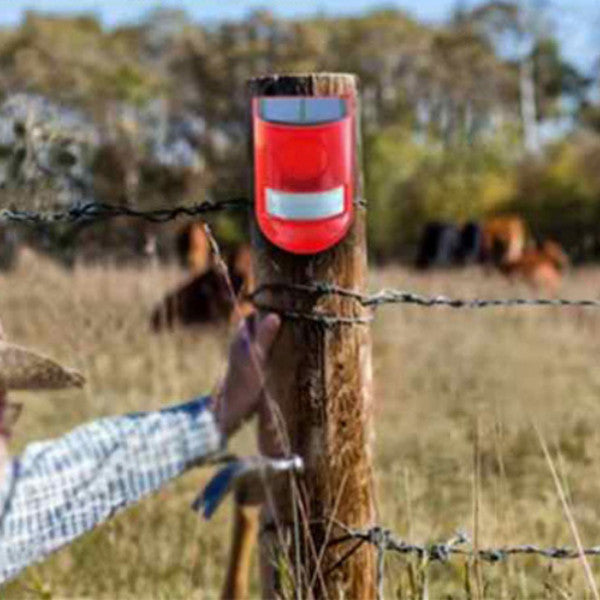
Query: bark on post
(320, 377)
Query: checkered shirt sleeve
(59, 489)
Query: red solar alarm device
(304, 169)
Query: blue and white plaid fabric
(59, 489)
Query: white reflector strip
(305, 206)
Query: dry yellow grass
(438, 373)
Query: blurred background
(469, 108)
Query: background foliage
(478, 115)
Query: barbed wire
(393, 296)
(386, 542)
(405, 297)
(98, 211)
(460, 544)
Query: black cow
(469, 249)
(446, 245)
(438, 246)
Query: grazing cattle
(501, 242)
(503, 239)
(193, 248)
(540, 267)
(438, 246)
(209, 298)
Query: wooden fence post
(320, 378)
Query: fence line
(89, 212)
(384, 540)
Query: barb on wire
(380, 543)
(385, 541)
(97, 211)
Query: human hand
(241, 392)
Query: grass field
(443, 379)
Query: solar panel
(302, 111)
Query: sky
(578, 21)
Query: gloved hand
(241, 393)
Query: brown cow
(505, 245)
(193, 248)
(541, 267)
(503, 239)
(209, 297)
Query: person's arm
(59, 489)
(65, 487)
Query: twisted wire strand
(390, 296)
(397, 296)
(385, 541)
(405, 297)
(97, 211)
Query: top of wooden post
(304, 84)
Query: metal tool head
(251, 472)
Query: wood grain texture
(320, 377)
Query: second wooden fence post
(320, 379)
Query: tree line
(478, 115)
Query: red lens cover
(304, 171)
